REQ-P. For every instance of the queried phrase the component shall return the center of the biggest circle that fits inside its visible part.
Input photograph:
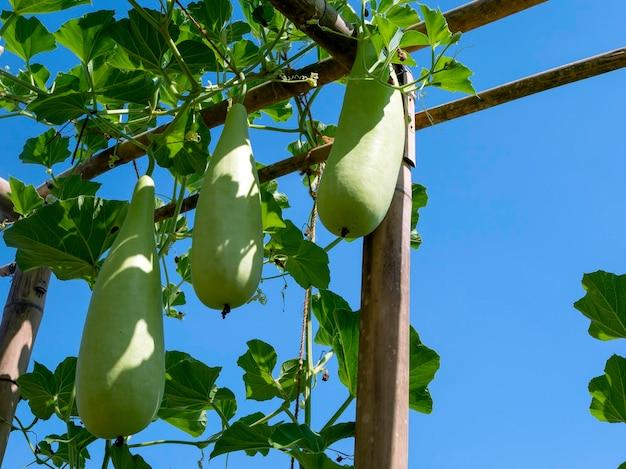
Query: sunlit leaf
(609, 392)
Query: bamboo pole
(21, 318)
(382, 404)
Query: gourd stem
(339, 412)
(107, 454)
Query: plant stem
(107, 454)
(339, 412)
(333, 243)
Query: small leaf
(420, 199)
(605, 304)
(316, 461)
(68, 236)
(123, 459)
(47, 149)
(183, 267)
(271, 211)
(403, 16)
(451, 75)
(71, 447)
(279, 112)
(24, 197)
(608, 392)
(26, 37)
(173, 296)
(423, 364)
(414, 38)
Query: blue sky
(523, 199)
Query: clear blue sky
(524, 199)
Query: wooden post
(20, 321)
(383, 377)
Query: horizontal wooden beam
(543, 81)
(464, 18)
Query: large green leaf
(271, 211)
(142, 42)
(50, 393)
(116, 85)
(293, 435)
(339, 431)
(68, 187)
(47, 149)
(423, 364)
(436, 27)
(212, 14)
(608, 392)
(68, 236)
(242, 436)
(87, 36)
(58, 108)
(23, 7)
(451, 75)
(27, 37)
(605, 304)
(259, 363)
(339, 328)
(316, 461)
(305, 261)
(24, 197)
(189, 391)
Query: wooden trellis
(382, 396)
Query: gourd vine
(146, 77)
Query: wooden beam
(321, 22)
(20, 322)
(464, 18)
(382, 403)
(543, 81)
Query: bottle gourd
(358, 183)
(227, 241)
(120, 373)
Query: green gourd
(358, 183)
(120, 373)
(227, 241)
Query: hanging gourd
(120, 374)
(227, 241)
(358, 183)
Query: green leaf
(279, 112)
(337, 432)
(115, 85)
(189, 392)
(245, 53)
(340, 326)
(605, 304)
(608, 392)
(271, 212)
(423, 364)
(212, 14)
(413, 38)
(87, 37)
(259, 363)
(68, 236)
(24, 197)
(197, 56)
(436, 27)
(420, 199)
(290, 435)
(71, 447)
(403, 16)
(183, 267)
(73, 186)
(183, 147)
(47, 149)
(241, 436)
(389, 32)
(23, 7)
(123, 459)
(173, 296)
(451, 75)
(316, 461)
(144, 45)
(50, 393)
(27, 37)
(58, 108)
(305, 261)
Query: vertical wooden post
(382, 387)
(20, 321)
